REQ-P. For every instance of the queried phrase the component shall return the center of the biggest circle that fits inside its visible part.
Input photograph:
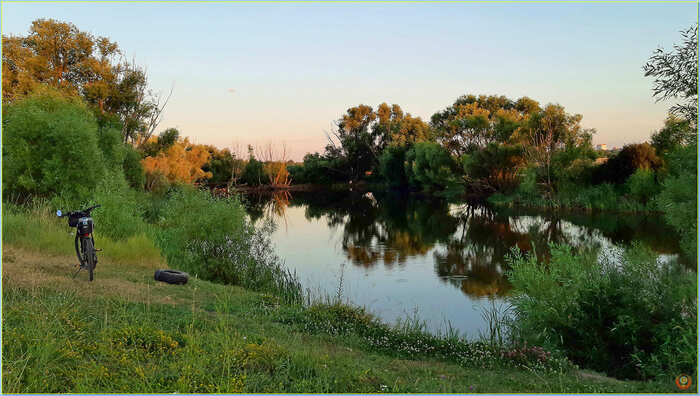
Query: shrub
(620, 167)
(133, 170)
(113, 150)
(676, 132)
(391, 166)
(120, 215)
(430, 166)
(627, 315)
(253, 173)
(212, 239)
(642, 185)
(679, 198)
(50, 147)
(497, 165)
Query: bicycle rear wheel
(89, 251)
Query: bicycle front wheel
(89, 250)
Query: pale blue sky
(296, 67)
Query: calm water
(405, 256)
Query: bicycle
(84, 240)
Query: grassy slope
(126, 333)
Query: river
(438, 262)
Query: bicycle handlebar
(88, 210)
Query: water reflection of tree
(469, 244)
(270, 205)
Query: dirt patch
(591, 375)
(32, 270)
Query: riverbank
(124, 332)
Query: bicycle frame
(84, 240)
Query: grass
(124, 332)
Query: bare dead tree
(275, 163)
(237, 163)
(541, 148)
(155, 116)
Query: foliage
(676, 132)
(181, 163)
(50, 147)
(113, 150)
(676, 75)
(253, 173)
(58, 54)
(496, 165)
(642, 185)
(628, 316)
(155, 145)
(212, 239)
(363, 134)
(320, 169)
(679, 199)
(620, 167)
(472, 122)
(391, 166)
(220, 164)
(430, 167)
(133, 169)
(120, 214)
(547, 132)
(276, 172)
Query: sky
(246, 73)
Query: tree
(548, 131)
(632, 157)
(50, 147)
(162, 142)
(220, 165)
(275, 166)
(676, 132)
(363, 134)
(181, 163)
(58, 54)
(496, 165)
(675, 75)
(391, 166)
(393, 127)
(473, 122)
(679, 197)
(430, 166)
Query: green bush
(621, 166)
(642, 185)
(50, 147)
(679, 197)
(497, 165)
(133, 170)
(429, 166)
(253, 173)
(120, 215)
(391, 166)
(113, 150)
(627, 315)
(212, 239)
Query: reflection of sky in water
(443, 267)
